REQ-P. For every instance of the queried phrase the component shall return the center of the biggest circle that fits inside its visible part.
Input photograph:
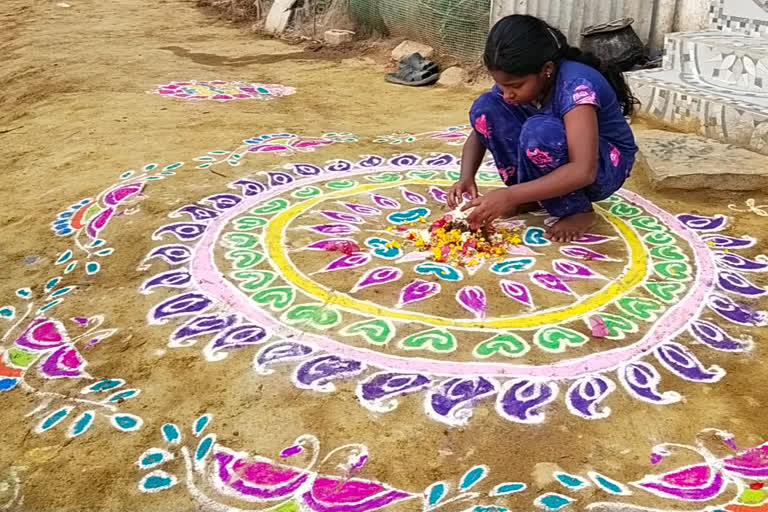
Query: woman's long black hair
(520, 45)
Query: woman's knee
(543, 132)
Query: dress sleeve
(576, 92)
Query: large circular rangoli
(541, 320)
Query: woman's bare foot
(571, 228)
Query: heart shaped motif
(512, 265)
(434, 340)
(249, 223)
(377, 331)
(425, 175)
(277, 298)
(640, 307)
(669, 252)
(555, 339)
(535, 236)
(625, 210)
(411, 215)
(380, 249)
(509, 345)
(677, 270)
(668, 292)
(239, 240)
(384, 177)
(305, 192)
(440, 270)
(64, 362)
(315, 315)
(659, 238)
(243, 258)
(487, 176)
(272, 206)
(453, 175)
(341, 184)
(647, 223)
(618, 326)
(254, 279)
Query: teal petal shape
(435, 493)
(552, 501)
(171, 433)
(82, 424)
(157, 481)
(204, 446)
(570, 481)
(126, 422)
(473, 476)
(200, 423)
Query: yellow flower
(396, 244)
(436, 252)
(419, 242)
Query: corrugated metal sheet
(572, 16)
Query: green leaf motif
(625, 210)
(243, 259)
(434, 340)
(377, 331)
(239, 240)
(556, 338)
(509, 345)
(618, 326)
(316, 315)
(249, 223)
(305, 192)
(272, 206)
(640, 307)
(341, 184)
(666, 291)
(276, 298)
(253, 279)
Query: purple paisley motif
(198, 213)
(441, 160)
(64, 362)
(738, 262)
(233, 338)
(521, 400)
(319, 373)
(363, 209)
(585, 395)
(339, 166)
(249, 187)
(278, 178)
(342, 216)
(734, 282)
(713, 336)
(378, 392)
(43, 334)
(171, 254)
(281, 351)
(371, 161)
(681, 361)
(305, 169)
(404, 160)
(736, 313)
(334, 229)
(201, 325)
(224, 201)
(728, 242)
(453, 400)
(385, 202)
(182, 230)
(171, 279)
(179, 305)
(438, 194)
(354, 260)
(641, 380)
(703, 223)
(413, 197)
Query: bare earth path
(548, 415)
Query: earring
(549, 74)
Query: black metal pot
(616, 43)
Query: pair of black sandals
(415, 71)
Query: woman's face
(523, 89)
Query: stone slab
(279, 16)
(686, 103)
(685, 161)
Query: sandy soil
(74, 114)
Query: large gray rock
(684, 161)
(407, 48)
(453, 77)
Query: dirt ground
(74, 114)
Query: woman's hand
(490, 207)
(461, 187)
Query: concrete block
(335, 36)
(685, 161)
